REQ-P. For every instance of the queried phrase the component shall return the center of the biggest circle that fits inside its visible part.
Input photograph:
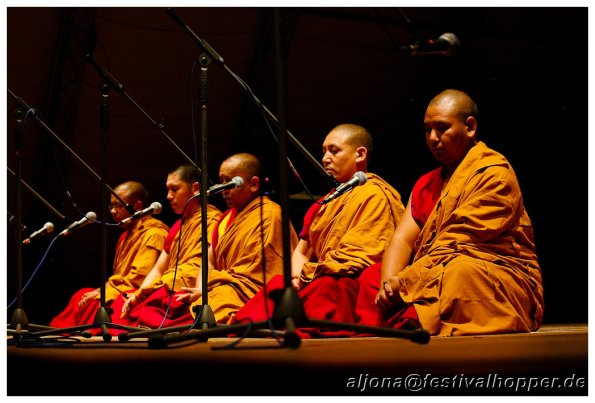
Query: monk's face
(448, 136)
(117, 209)
(339, 156)
(237, 197)
(178, 192)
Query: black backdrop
(525, 67)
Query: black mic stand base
(288, 310)
(205, 319)
(101, 321)
(291, 338)
(19, 322)
(288, 316)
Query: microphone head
(238, 180)
(361, 177)
(91, 216)
(156, 206)
(49, 227)
(452, 40)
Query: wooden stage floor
(552, 361)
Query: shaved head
(458, 102)
(356, 136)
(246, 163)
(134, 191)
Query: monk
(341, 238)
(137, 251)
(474, 269)
(179, 263)
(246, 249)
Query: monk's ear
(137, 205)
(361, 154)
(195, 188)
(254, 183)
(471, 125)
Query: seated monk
(462, 260)
(246, 247)
(151, 305)
(339, 239)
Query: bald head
(132, 192)
(248, 164)
(355, 135)
(458, 102)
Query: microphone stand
(103, 319)
(289, 312)
(206, 319)
(18, 320)
(103, 314)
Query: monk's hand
(131, 302)
(388, 294)
(189, 295)
(87, 297)
(295, 282)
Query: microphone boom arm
(38, 196)
(22, 104)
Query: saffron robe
(136, 252)
(475, 270)
(239, 242)
(347, 235)
(183, 266)
(351, 233)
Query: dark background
(525, 67)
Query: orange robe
(475, 270)
(183, 267)
(136, 252)
(238, 247)
(351, 233)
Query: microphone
(359, 178)
(47, 228)
(237, 181)
(87, 219)
(446, 44)
(154, 208)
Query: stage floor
(552, 361)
